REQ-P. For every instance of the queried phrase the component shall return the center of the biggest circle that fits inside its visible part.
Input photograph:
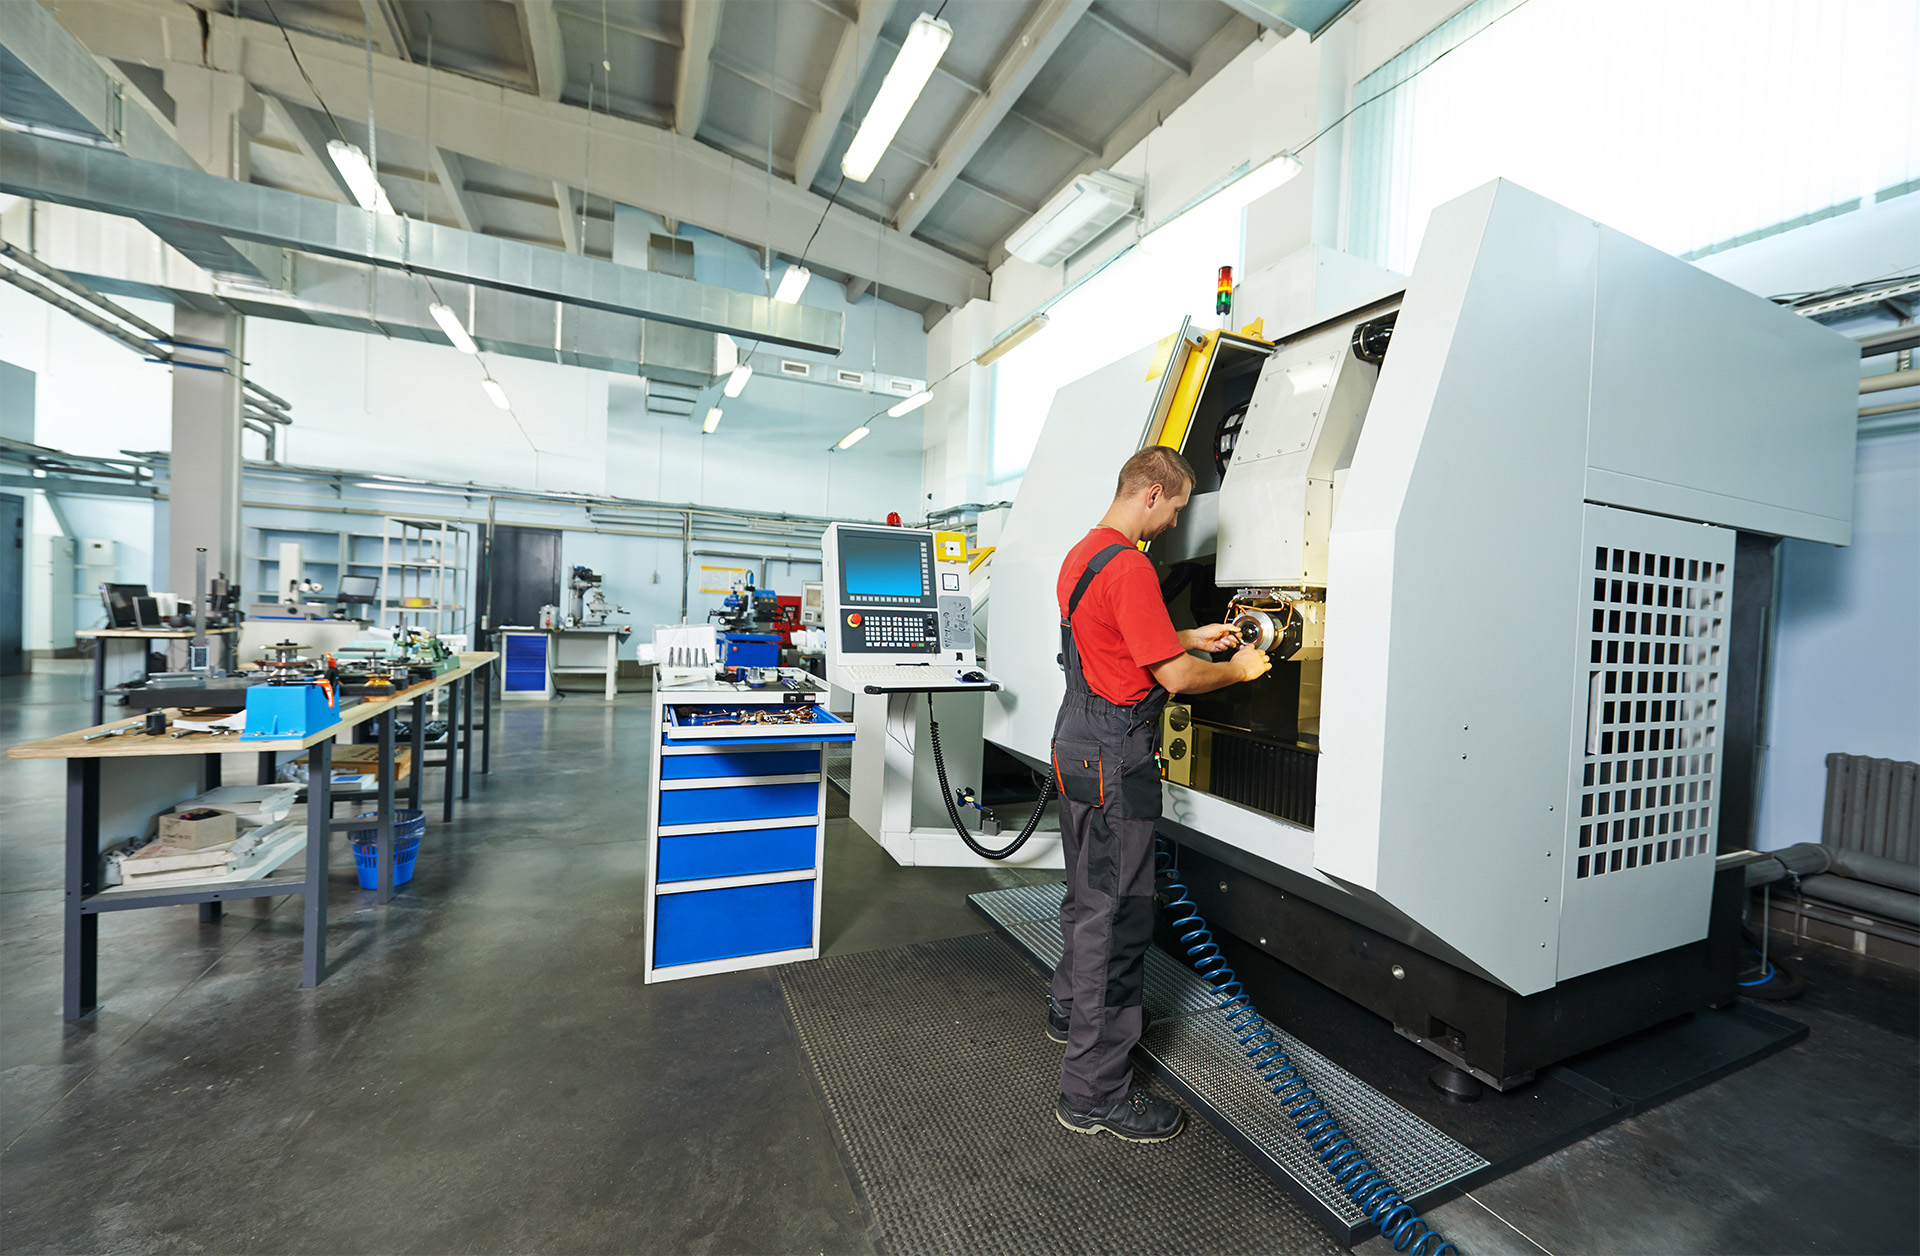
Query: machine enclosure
(1558, 400)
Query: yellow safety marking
(1162, 353)
(1186, 393)
(976, 557)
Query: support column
(203, 492)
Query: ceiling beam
(1013, 74)
(850, 62)
(452, 178)
(1227, 43)
(312, 135)
(1054, 132)
(857, 288)
(699, 26)
(303, 134)
(615, 158)
(1127, 34)
(1010, 202)
(780, 87)
(569, 225)
(389, 32)
(546, 54)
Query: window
(1693, 125)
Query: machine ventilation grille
(1657, 643)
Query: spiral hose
(1352, 1172)
(953, 812)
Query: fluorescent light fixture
(450, 323)
(737, 381)
(792, 284)
(854, 437)
(713, 420)
(1012, 340)
(358, 173)
(1236, 191)
(1075, 218)
(907, 405)
(926, 43)
(496, 392)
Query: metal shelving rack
(423, 574)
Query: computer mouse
(974, 678)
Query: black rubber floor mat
(940, 1081)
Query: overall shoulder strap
(1094, 566)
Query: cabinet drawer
(725, 924)
(731, 761)
(742, 852)
(728, 803)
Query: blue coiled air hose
(1352, 1172)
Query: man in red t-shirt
(1123, 657)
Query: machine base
(1377, 1081)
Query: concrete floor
(485, 1071)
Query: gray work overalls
(1109, 780)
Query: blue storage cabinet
(526, 664)
(736, 831)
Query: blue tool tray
(683, 730)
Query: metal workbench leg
(613, 665)
(417, 768)
(313, 963)
(83, 878)
(486, 721)
(466, 735)
(265, 765)
(100, 680)
(210, 779)
(383, 834)
(453, 749)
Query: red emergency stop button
(853, 620)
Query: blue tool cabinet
(526, 664)
(736, 830)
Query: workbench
(140, 761)
(104, 637)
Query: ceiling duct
(110, 182)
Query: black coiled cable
(953, 811)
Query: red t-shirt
(1122, 627)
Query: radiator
(1873, 805)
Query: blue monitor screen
(876, 565)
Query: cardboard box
(218, 829)
(364, 759)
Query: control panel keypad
(870, 631)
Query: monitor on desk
(358, 589)
(118, 599)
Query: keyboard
(907, 676)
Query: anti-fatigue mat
(937, 1073)
(1191, 1046)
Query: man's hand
(1252, 662)
(1211, 638)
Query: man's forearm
(1188, 674)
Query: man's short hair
(1156, 464)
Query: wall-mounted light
(1075, 218)
(450, 323)
(920, 52)
(854, 437)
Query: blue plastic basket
(408, 825)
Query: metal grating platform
(1191, 1048)
(939, 1081)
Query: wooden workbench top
(134, 745)
(151, 634)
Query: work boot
(1142, 1117)
(1057, 1021)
